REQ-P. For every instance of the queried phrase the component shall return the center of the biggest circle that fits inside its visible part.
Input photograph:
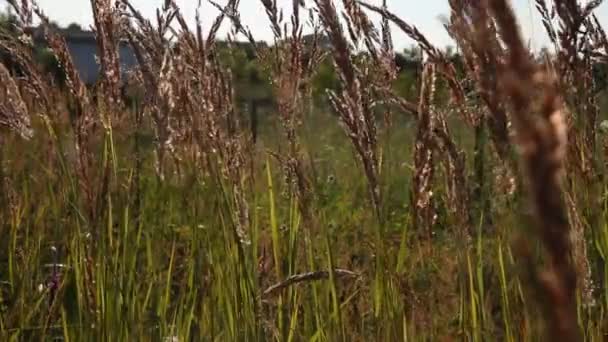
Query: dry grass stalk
(14, 114)
(454, 160)
(308, 277)
(436, 56)
(573, 40)
(107, 32)
(360, 27)
(210, 41)
(388, 50)
(23, 10)
(31, 80)
(457, 185)
(577, 39)
(85, 118)
(600, 39)
(579, 252)
(292, 64)
(354, 102)
(235, 154)
(18, 44)
(547, 20)
(479, 51)
(191, 101)
(382, 69)
(423, 213)
(84, 114)
(542, 138)
(433, 137)
(230, 11)
(152, 50)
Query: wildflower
(604, 126)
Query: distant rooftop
(83, 49)
(70, 34)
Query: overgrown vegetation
(375, 197)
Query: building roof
(71, 35)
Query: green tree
(325, 78)
(74, 27)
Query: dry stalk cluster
(546, 108)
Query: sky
(424, 14)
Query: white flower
(604, 126)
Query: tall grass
(472, 208)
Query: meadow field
(320, 187)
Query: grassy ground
(167, 263)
